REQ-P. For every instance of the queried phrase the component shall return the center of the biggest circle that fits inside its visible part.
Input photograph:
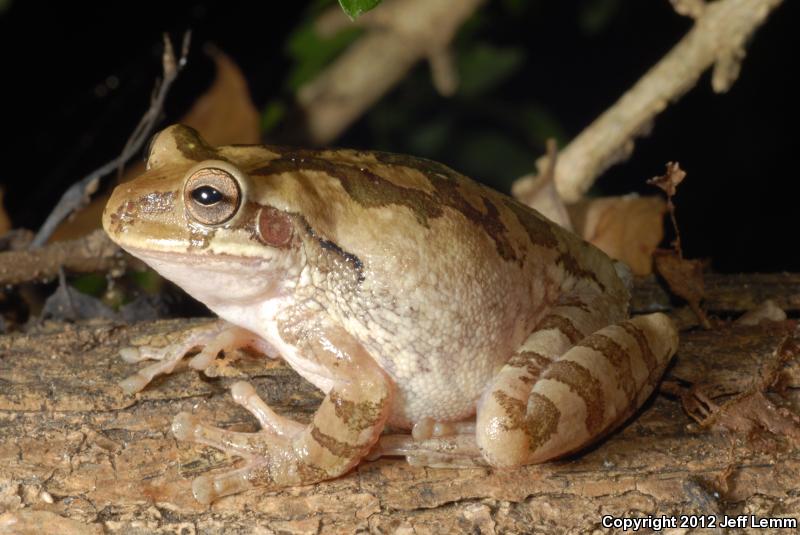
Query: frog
(445, 322)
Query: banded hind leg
(573, 381)
(448, 444)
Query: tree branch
(717, 39)
(91, 253)
(399, 34)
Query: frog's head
(199, 219)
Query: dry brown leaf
(224, 115)
(670, 180)
(751, 411)
(684, 278)
(5, 221)
(627, 228)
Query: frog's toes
(133, 383)
(131, 354)
(209, 487)
(183, 426)
(428, 428)
(188, 427)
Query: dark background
(77, 77)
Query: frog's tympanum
(415, 298)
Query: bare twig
(399, 34)
(95, 252)
(717, 39)
(78, 194)
(543, 195)
(669, 182)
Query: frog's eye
(212, 196)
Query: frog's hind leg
(563, 389)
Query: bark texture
(79, 456)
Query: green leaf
(273, 113)
(90, 284)
(354, 8)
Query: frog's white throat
(218, 280)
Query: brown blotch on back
(585, 385)
(539, 230)
(619, 359)
(192, 146)
(572, 267)
(372, 191)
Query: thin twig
(78, 194)
(717, 39)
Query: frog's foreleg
(564, 389)
(286, 453)
(170, 349)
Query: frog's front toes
(169, 350)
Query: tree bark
(79, 456)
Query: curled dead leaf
(684, 278)
(627, 228)
(751, 411)
(670, 180)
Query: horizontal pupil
(206, 195)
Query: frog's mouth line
(210, 260)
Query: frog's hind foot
(261, 450)
(433, 444)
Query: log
(79, 456)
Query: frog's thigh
(541, 407)
(286, 453)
